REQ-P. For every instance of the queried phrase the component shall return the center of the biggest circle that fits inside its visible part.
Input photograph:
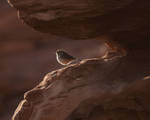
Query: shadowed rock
(26, 56)
(92, 89)
(124, 21)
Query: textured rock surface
(26, 56)
(122, 20)
(68, 18)
(92, 89)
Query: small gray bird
(64, 58)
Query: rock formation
(115, 87)
(122, 20)
(95, 89)
(26, 56)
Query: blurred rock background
(27, 55)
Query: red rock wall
(26, 56)
(116, 88)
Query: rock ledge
(92, 89)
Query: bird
(64, 58)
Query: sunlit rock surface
(92, 89)
(115, 88)
(27, 55)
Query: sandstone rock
(92, 89)
(124, 21)
(26, 56)
(76, 19)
